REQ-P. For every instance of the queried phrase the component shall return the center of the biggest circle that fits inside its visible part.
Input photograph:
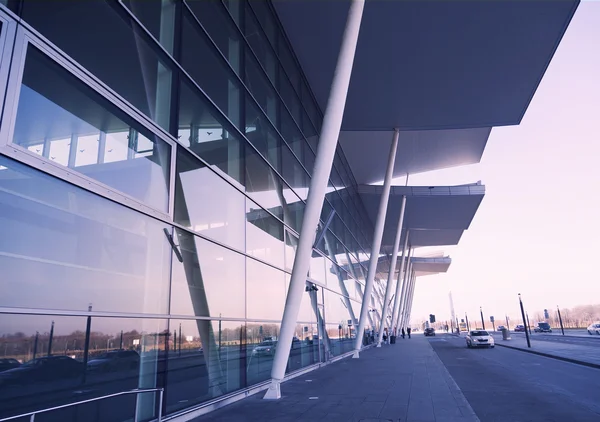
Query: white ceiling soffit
(430, 64)
(418, 151)
(435, 216)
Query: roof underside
(443, 72)
(434, 215)
(430, 64)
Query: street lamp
(482, 321)
(560, 319)
(524, 321)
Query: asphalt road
(505, 385)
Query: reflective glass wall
(153, 180)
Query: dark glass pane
(265, 17)
(264, 235)
(261, 344)
(207, 204)
(209, 282)
(158, 16)
(291, 99)
(294, 174)
(261, 134)
(201, 60)
(55, 237)
(311, 107)
(101, 40)
(260, 46)
(203, 354)
(65, 121)
(261, 89)
(206, 133)
(219, 26)
(57, 360)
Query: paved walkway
(560, 348)
(401, 382)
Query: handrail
(137, 392)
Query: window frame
(23, 39)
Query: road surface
(503, 384)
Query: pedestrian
(402, 332)
(408, 330)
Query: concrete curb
(548, 355)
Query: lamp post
(482, 321)
(507, 325)
(467, 321)
(562, 328)
(50, 339)
(528, 326)
(524, 321)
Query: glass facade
(153, 180)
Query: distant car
(265, 348)
(8, 363)
(500, 328)
(542, 327)
(480, 338)
(116, 360)
(46, 369)
(594, 328)
(429, 332)
(520, 328)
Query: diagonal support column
(377, 236)
(392, 271)
(332, 122)
(407, 290)
(411, 290)
(411, 298)
(400, 294)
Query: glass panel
(261, 89)
(260, 46)
(264, 235)
(339, 338)
(262, 338)
(207, 204)
(267, 20)
(291, 245)
(55, 237)
(318, 268)
(209, 282)
(265, 288)
(201, 60)
(207, 134)
(219, 26)
(291, 99)
(56, 360)
(80, 30)
(262, 135)
(311, 107)
(79, 128)
(158, 16)
(207, 360)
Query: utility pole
(482, 321)
(524, 321)
(562, 328)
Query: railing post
(135, 415)
(160, 404)
(32, 418)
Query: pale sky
(538, 226)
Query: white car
(480, 338)
(594, 328)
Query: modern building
(176, 212)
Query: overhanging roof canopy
(430, 64)
(422, 265)
(444, 72)
(435, 216)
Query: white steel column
(377, 235)
(412, 296)
(390, 281)
(399, 295)
(407, 291)
(332, 122)
(412, 279)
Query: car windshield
(544, 325)
(479, 333)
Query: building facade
(155, 158)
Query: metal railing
(137, 393)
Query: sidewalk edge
(548, 355)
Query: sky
(537, 229)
